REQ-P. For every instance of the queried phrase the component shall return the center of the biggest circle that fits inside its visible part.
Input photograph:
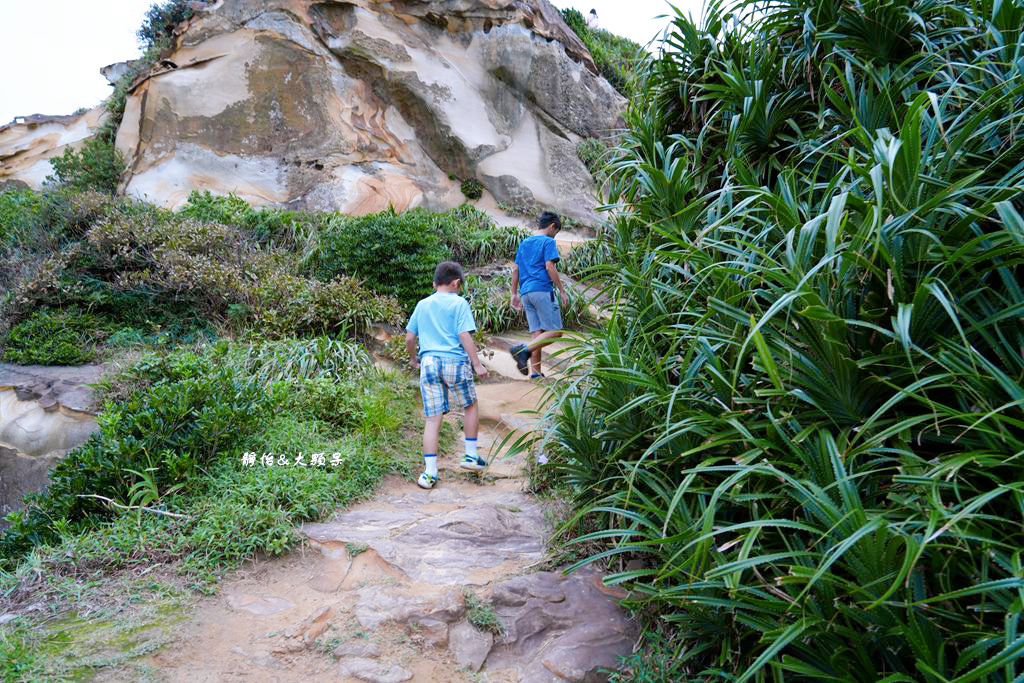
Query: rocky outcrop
(44, 413)
(29, 142)
(355, 106)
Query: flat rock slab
(444, 536)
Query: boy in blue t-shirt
(444, 325)
(534, 278)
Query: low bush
(139, 258)
(292, 230)
(172, 434)
(168, 430)
(54, 337)
(472, 188)
(616, 58)
(393, 253)
(97, 166)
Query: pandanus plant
(805, 421)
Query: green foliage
(481, 614)
(805, 419)
(396, 253)
(174, 438)
(393, 253)
(593, 152)
(472, 188)
(490, 300)
(53, 338)
(145, 260)
(616, 58)
(176, 425)
(19, 660)
(293, 230)
(161, 19)
(585, 260)
(98, 166)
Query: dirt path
(386, 591)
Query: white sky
(51, 50)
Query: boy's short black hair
(448, 272)
(548, 218)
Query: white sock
(430, 463)
(471, 447)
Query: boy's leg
(432, 433)
(471, 421)
(435, 405)
(549, 317)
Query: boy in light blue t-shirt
(444, 325)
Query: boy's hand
(415, 362)
(481, 371)
(517, 302)
(565, 301)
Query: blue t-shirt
(532, 257)
(438, 321)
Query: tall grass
(805, 422)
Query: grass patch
(481, 614)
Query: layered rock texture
(44, 413)
(28, 144)
(358, 105)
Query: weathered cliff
(28, 144)
(355, 105)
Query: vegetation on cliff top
(616, 58)
(804, 425)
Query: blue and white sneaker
(426, 481)
(470, 463)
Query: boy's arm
(466, 339)
(516, 302)
(410, 347)
(552, 269)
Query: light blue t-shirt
(438, 321)
(532, 257)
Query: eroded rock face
(44, 413)
(28, 144)
(357, 105)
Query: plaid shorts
(438, 376)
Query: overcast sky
(51, 50)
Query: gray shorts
(543, 311)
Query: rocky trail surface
(396, 588)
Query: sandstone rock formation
(355, 105)
(44, 413)
(28, 143)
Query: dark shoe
(521, 354)
(537, 375)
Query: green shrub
(616, 58)
(472, 188)
(98, 166)
(171, 428)
(132, 259)
(54, 338)
(593, 152)
(392, 253)
(293, 230)
(161, 20)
